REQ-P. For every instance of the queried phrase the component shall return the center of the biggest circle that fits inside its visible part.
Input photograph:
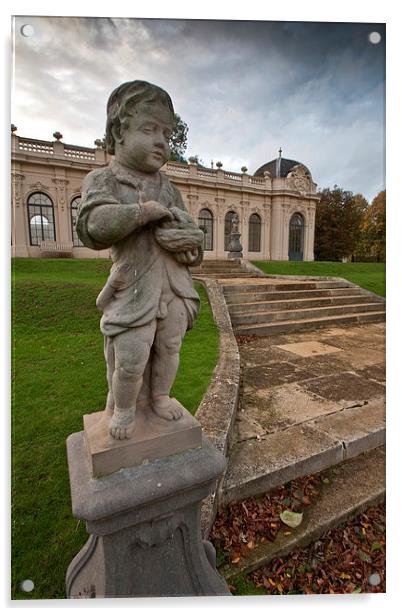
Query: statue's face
(145, 142)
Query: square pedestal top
(153, 438)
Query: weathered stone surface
(358, 429)
(148, 301)
(374, 372)
(217, 410)
(346, 388)
(276, 408)
(353, 486)
(145, 526)
(277, 373)
(309, 349)
(153, 438)
(322, 401)
(259, 465)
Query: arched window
(40, 218)
(74, 205)
(206, 224)
(254, 233)
(296, 238)
(228, 227)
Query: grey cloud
(244, 88)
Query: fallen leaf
(291, 518)
(376, 545)
(364, 557)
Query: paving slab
(345, 387)
(256, 466)
(309, 348)
(276, 408)
(309, 399)
(352, 487)
(277, 373)
(358, 429)
(376, 373)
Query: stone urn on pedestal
(235, 247)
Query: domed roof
(280, 167)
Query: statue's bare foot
(167, 408)
(121, 425)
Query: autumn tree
(339, 217)
(372, 240)
(178, 140)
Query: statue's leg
(110, 365)
(165, 362)
(131, 349)
(145, 391)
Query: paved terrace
(308, 401)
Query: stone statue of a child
(149, 301)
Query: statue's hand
(153, 211)
(187, 257)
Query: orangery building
(275, 205)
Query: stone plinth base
(144, 524)
(153, 438)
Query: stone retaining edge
(217, 410)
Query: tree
(338, 220)
(372, 241)
(178, 140)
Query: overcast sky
(244, 88)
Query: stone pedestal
(235, 247)
(153, 438)
(144, 524)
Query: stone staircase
(221, 269)
(270, 306)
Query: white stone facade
(52, 173)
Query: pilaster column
(309, 252)
(276, 233)
(20, 240)
(62, 214)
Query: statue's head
(140, 119)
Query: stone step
(223, 274)
(300, 302)
(284, 286)
(266, 329)
(256, 466)
(212, 266)
(276, 295)
(220, 262)
(303, 313)
(220, 268)
(352, 487)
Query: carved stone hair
(124, 99)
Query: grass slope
(370, 276)
(58, 374)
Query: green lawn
(58, 374)
(370, 276)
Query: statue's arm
(111, 222)
(102, 220)
(196, 255)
